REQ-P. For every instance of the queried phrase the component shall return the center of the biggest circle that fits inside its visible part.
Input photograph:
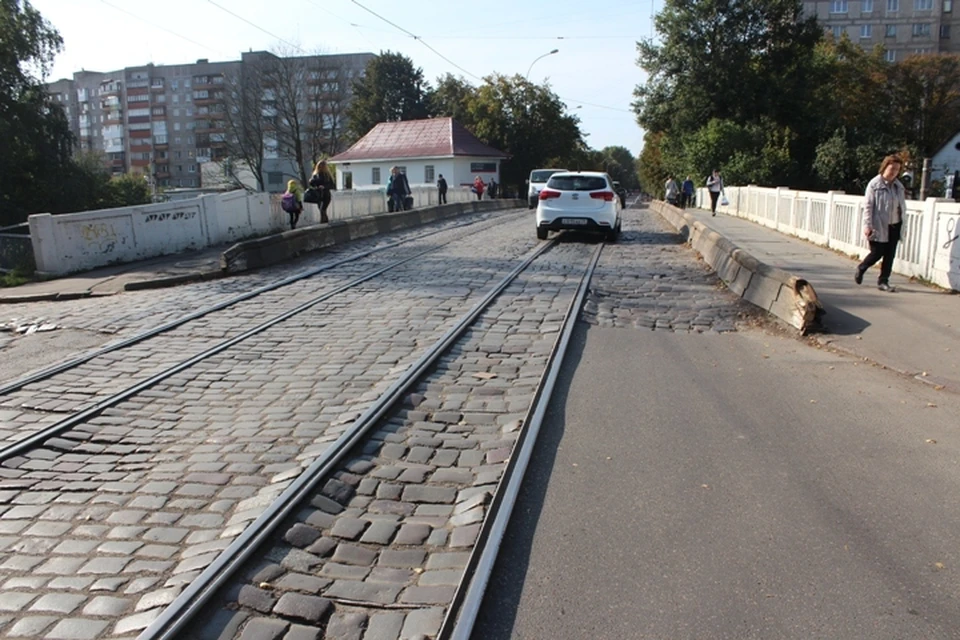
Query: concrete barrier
(261, 252)
(774, 290)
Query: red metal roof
(433, 138)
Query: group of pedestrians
(684, 195)
(319, 189)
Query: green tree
(451, 99)
(34, 133)
(620, 164)
(527, 121)
(391, 89)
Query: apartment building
(903, 27)
(165, 121)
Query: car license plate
(572, 221)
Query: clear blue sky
(594, 71)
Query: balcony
(140, 148)
(117, 163)
(137, 91)
(156, 85)
(161, 146)
(138, 119)
(140, 163)
(141, 134)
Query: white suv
(582, 200)
(538, 178)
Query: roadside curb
(786, 296)
(169, 281)
(279, 247)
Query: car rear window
(577, 183)
(541, 176)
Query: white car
(581, 200)
(538, 179)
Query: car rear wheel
(541, 234)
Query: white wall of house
(947, 159)
(368, 174)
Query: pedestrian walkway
(915, 330)
(164, 271)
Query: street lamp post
(541, 57)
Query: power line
(418, 39)
(256, 26)
(156, 26)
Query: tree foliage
(390, 89)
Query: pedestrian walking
(478, 187)
(398, 188)
(442, 189)
(671, 190)
(686, 193)
(292, 202)
(885, 204)
(322, 181)
(715, 188)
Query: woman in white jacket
(884, 207)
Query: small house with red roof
(423, 149)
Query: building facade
(165, 121)
(903, 27)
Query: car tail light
(546, 194)
(606, 196)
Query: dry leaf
(930, 404)
(930, 441)
(938, 566)
(483, 375)
(813, 402)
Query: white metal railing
(929, 249)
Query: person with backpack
(323, 184)
(292, 202)
(398, 188)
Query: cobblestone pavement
(112, 318)
(105, 526)
(38, 405)
(102, 527)
(652, 280)
(382, 547)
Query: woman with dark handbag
(322, 181)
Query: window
(866, 30)
(891, 31)
(274, 177)
(921, 30)
(947, 6)
(483, 167)
(428, 174)
(922, 5)
(944, 32)
(891, 56)
(375, 175)
(893, 6)
(838, 6)
(867, 6)
(837, 32)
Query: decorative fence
(16, 252)
(930, 248)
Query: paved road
(736, 485)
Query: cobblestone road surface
(105, 526)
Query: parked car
(536, 182)
(581, 200)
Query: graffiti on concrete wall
(99, 236)
(171, 216)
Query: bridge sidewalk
(915, 331)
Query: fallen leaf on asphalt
(938, 387)
(930, 404)
(705, 486)
(483, 375)
(924, 374)
(938, 566)
(609, 458)
(832, 368)
(575, 464)
(813, 402)
(930, 441)
(265, 585)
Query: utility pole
(924, 179)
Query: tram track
(84, 394)
(179, 620)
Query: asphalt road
(760, 488)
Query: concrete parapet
(774, 290)
(261, 252)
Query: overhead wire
(418, 39)
(156, 26)
(256, 26)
